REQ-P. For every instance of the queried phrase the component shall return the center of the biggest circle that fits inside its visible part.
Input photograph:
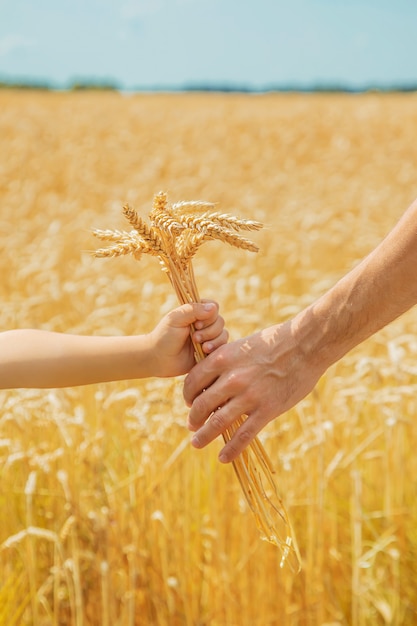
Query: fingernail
(208, 347)
(223, 457)
(195, 442)
(208, 306)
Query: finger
(201, 377)
(221, 420)
(215, 425)
(241, 439)
(223, 392)
(190, 313)
(206, 313)
(213, 344)
(205, 404)
(211, 332)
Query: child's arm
(42, 359)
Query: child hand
(173, 351)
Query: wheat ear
(174, 235)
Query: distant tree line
(84, 84)
(75, 85)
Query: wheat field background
(107, 515)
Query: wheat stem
(174, 236)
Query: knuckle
(244, 436)
(238, 443)
(219, 359)
(200, 405)
(233, 383)
(217, 421)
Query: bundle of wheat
(174, 235)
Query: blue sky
(256, 43)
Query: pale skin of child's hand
(171, 349)
(32, 358)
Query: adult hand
(269, 372)
(260, 376)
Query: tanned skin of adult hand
(269, 372)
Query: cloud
(12, 43)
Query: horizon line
(103, 84)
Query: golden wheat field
(107, 515)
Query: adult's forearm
(377, 291)
(268, 373)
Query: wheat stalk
(174, 235)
